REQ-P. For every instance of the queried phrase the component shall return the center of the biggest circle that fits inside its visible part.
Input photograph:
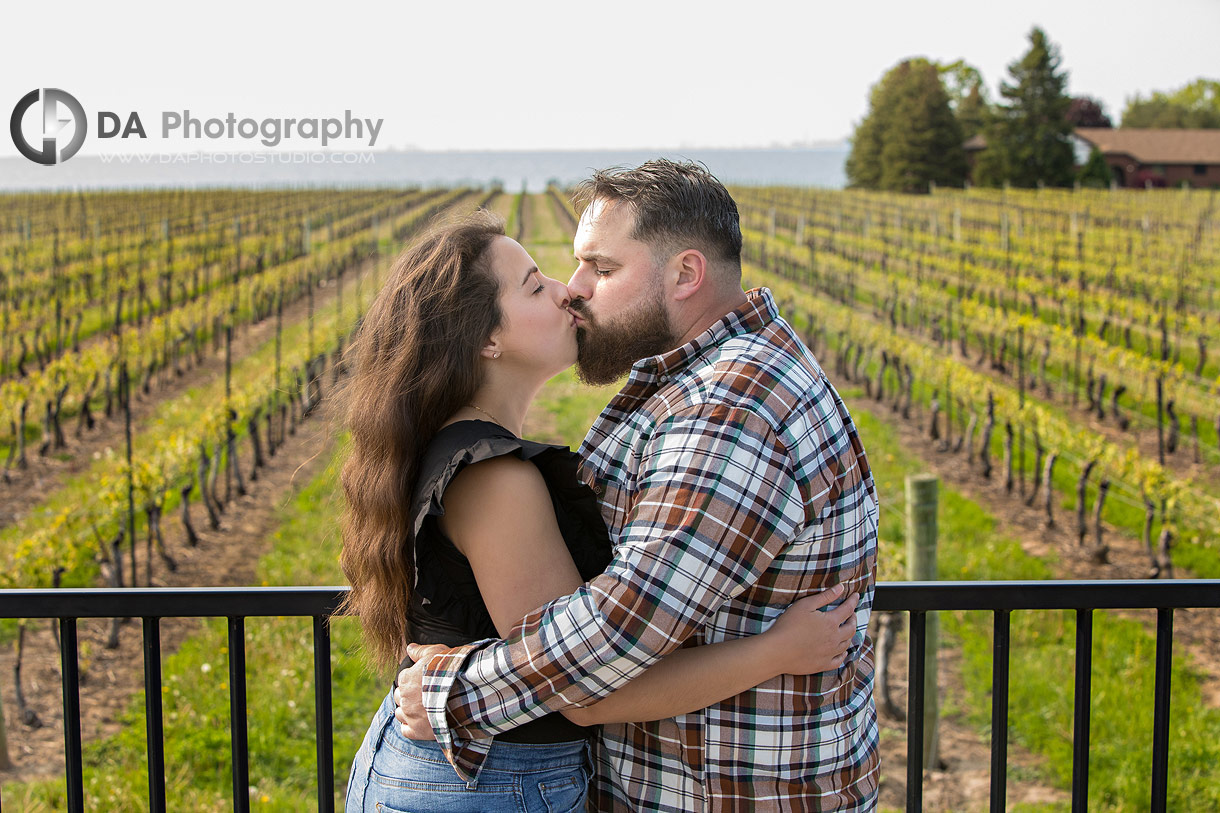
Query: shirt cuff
(441, 673)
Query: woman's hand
(808, 639)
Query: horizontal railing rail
(319, 603)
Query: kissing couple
(674, 618)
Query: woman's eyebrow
(532, 270)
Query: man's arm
(717, 502)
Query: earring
(496, 355)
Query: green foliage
(1193, 106)
(910, 137)
(1041, 689)
(972, 113)
(1027, 140)
(1095, 173)
(967, 95)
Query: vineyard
(164, 350)
(1056, 340)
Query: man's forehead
(602, 222)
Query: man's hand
(409, 696)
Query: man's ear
(692, 271)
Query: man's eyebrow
(533, 270)
(592, 256)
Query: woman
(456, 527)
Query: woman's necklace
(488, 414)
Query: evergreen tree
(1027, 141)
(864, 160)
(910, 136)
(1095, 174)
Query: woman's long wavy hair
(416, 362)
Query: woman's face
(537, 333)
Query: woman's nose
(559, 292)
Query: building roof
(1156, 146)
(975, 142)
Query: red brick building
(1139, 158)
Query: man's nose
(580, 286)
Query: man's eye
(601, 272)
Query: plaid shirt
(733, 482)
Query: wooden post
(921, 504)
(5, 763)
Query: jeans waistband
(513, 757)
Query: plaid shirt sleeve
(716, 501)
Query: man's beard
(606, 351)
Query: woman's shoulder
(461, 444)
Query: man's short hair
(677, 206)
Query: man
(733, 482)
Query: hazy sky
(544, 75)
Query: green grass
(1041, 682)
(279, 675)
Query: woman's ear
(491, 350)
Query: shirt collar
(758, 311)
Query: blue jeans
(392, 774)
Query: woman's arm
(499, 514)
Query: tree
(1028, 138)
(910, 137)
(1193, 106)
(1095, 173)
(972, 112)
(967, 95)
(864, 160)
(1086, 111)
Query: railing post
(239, 749)
(1080, 729)
(1160, 714)
(999, 711)
(70, 670)
(153, 723)
(921, 505)
(322, 718)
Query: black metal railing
(153, 604)
(1002, 598)
(917, 598)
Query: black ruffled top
(445, 606)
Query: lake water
(801, 167)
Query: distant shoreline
(801, 166)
